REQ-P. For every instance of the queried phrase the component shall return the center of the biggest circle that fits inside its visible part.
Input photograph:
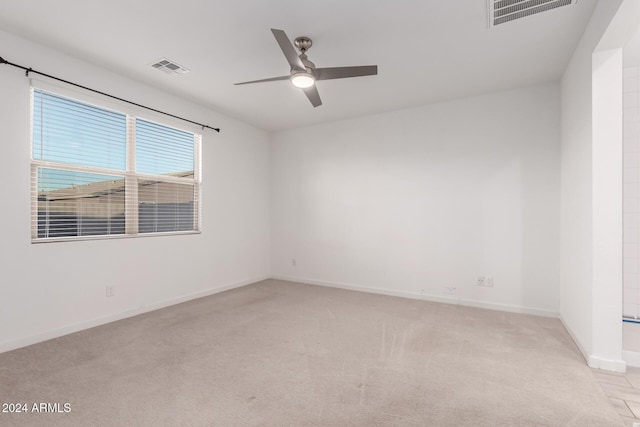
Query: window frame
(130, 175)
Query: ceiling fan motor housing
(303, 43)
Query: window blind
(71, 132)
(161, 150)
(165, 206)
(98, 172)
(72, 203)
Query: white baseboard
(607, 364)
(576, 341)
(76, 327)
(594, 361)
(632, 358)
(427, 297)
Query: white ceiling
(426, 51)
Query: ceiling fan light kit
(303, 80)
(304, 74)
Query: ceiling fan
(304, 73)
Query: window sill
(112, 237)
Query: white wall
(54, 288)
(415, 201)
(631, 223)
(631, 343)
(591, 199)
(607, 208)
(631, 187)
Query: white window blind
(161, 150)
(99, 172)
(72, 203)
(165, 206)
(70, 132)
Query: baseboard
(607, 364)
(76, 327)
(594, 361)
(426, 297)
(632, 358)
(575, 340)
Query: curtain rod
(30, 70)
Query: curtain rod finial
(3, 61)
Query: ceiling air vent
(169, 67)
(501, 11)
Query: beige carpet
(285, 354)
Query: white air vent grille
(169, 67)
(501, 11)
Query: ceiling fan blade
(313, 95)
(289, 51)
(344, 72)
(271, 79)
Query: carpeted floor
(286, 354)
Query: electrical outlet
(481, 281)
(110, 291)
(293, 262)
(489, 283)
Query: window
(98, 172)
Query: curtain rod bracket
(31, 70)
